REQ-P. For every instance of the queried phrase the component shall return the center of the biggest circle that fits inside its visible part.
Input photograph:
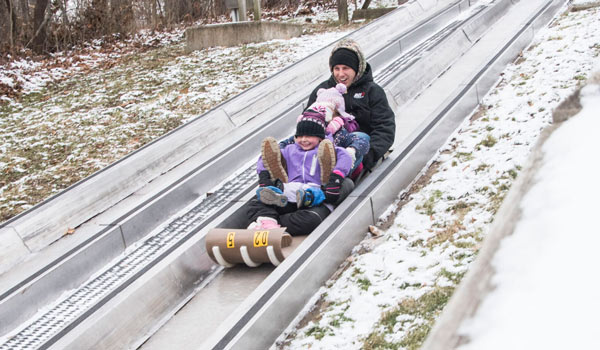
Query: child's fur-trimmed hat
(346, 57)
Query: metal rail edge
(71, 268)
(274, 303)
(112, 310)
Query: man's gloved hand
(264, 179)
(333, 187)
(369, 160)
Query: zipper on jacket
(313, 165)
(304, 167)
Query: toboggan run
(140, 254)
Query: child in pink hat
(331, 101)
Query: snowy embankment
(390, 291)
(545, 271)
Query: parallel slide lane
(86, 317)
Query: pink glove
(335, 125)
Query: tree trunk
(62, 4)
(12, 23)
(171, 11)
(39, 25)
(153, 14)
(176, 10)
(66, 36)
(98, 18)
(256, 10)
(24, 12)
(343, 11)
(122, 16)
(160, 14)
(366, 4)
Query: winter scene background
(67, 116)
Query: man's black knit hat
(311, 123)
(346, 57)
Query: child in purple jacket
(300, 183)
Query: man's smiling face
(343, 74)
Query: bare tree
(343, 11)
(24, 12)
(176, 10)
(31, 23)
(12, 23)
(39, 25)
(121, 16)
(156, 15)
(99, 14)
(62, 5)
(64, 37)
(4, 28)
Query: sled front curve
(228, 247)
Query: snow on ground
(546, 271)
(75, 120)
(63, 119)
(393, 287)
(59, 133)
(33, 75)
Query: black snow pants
(297, 221)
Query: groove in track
(45, 325)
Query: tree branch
(47, 16)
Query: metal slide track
(50, 325)
(48, 328)
(256, 322)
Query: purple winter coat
(303, 166)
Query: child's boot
(356, 172)
(271, 195)
(264, 223)
(309, 197)
(326, 155)
(272, 159)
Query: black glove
(369, 160)
(333, 188)
(264, 179)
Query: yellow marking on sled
(230, 239)
(261, 238)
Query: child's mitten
(265, 180)
(334, 125)
(333, 187)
